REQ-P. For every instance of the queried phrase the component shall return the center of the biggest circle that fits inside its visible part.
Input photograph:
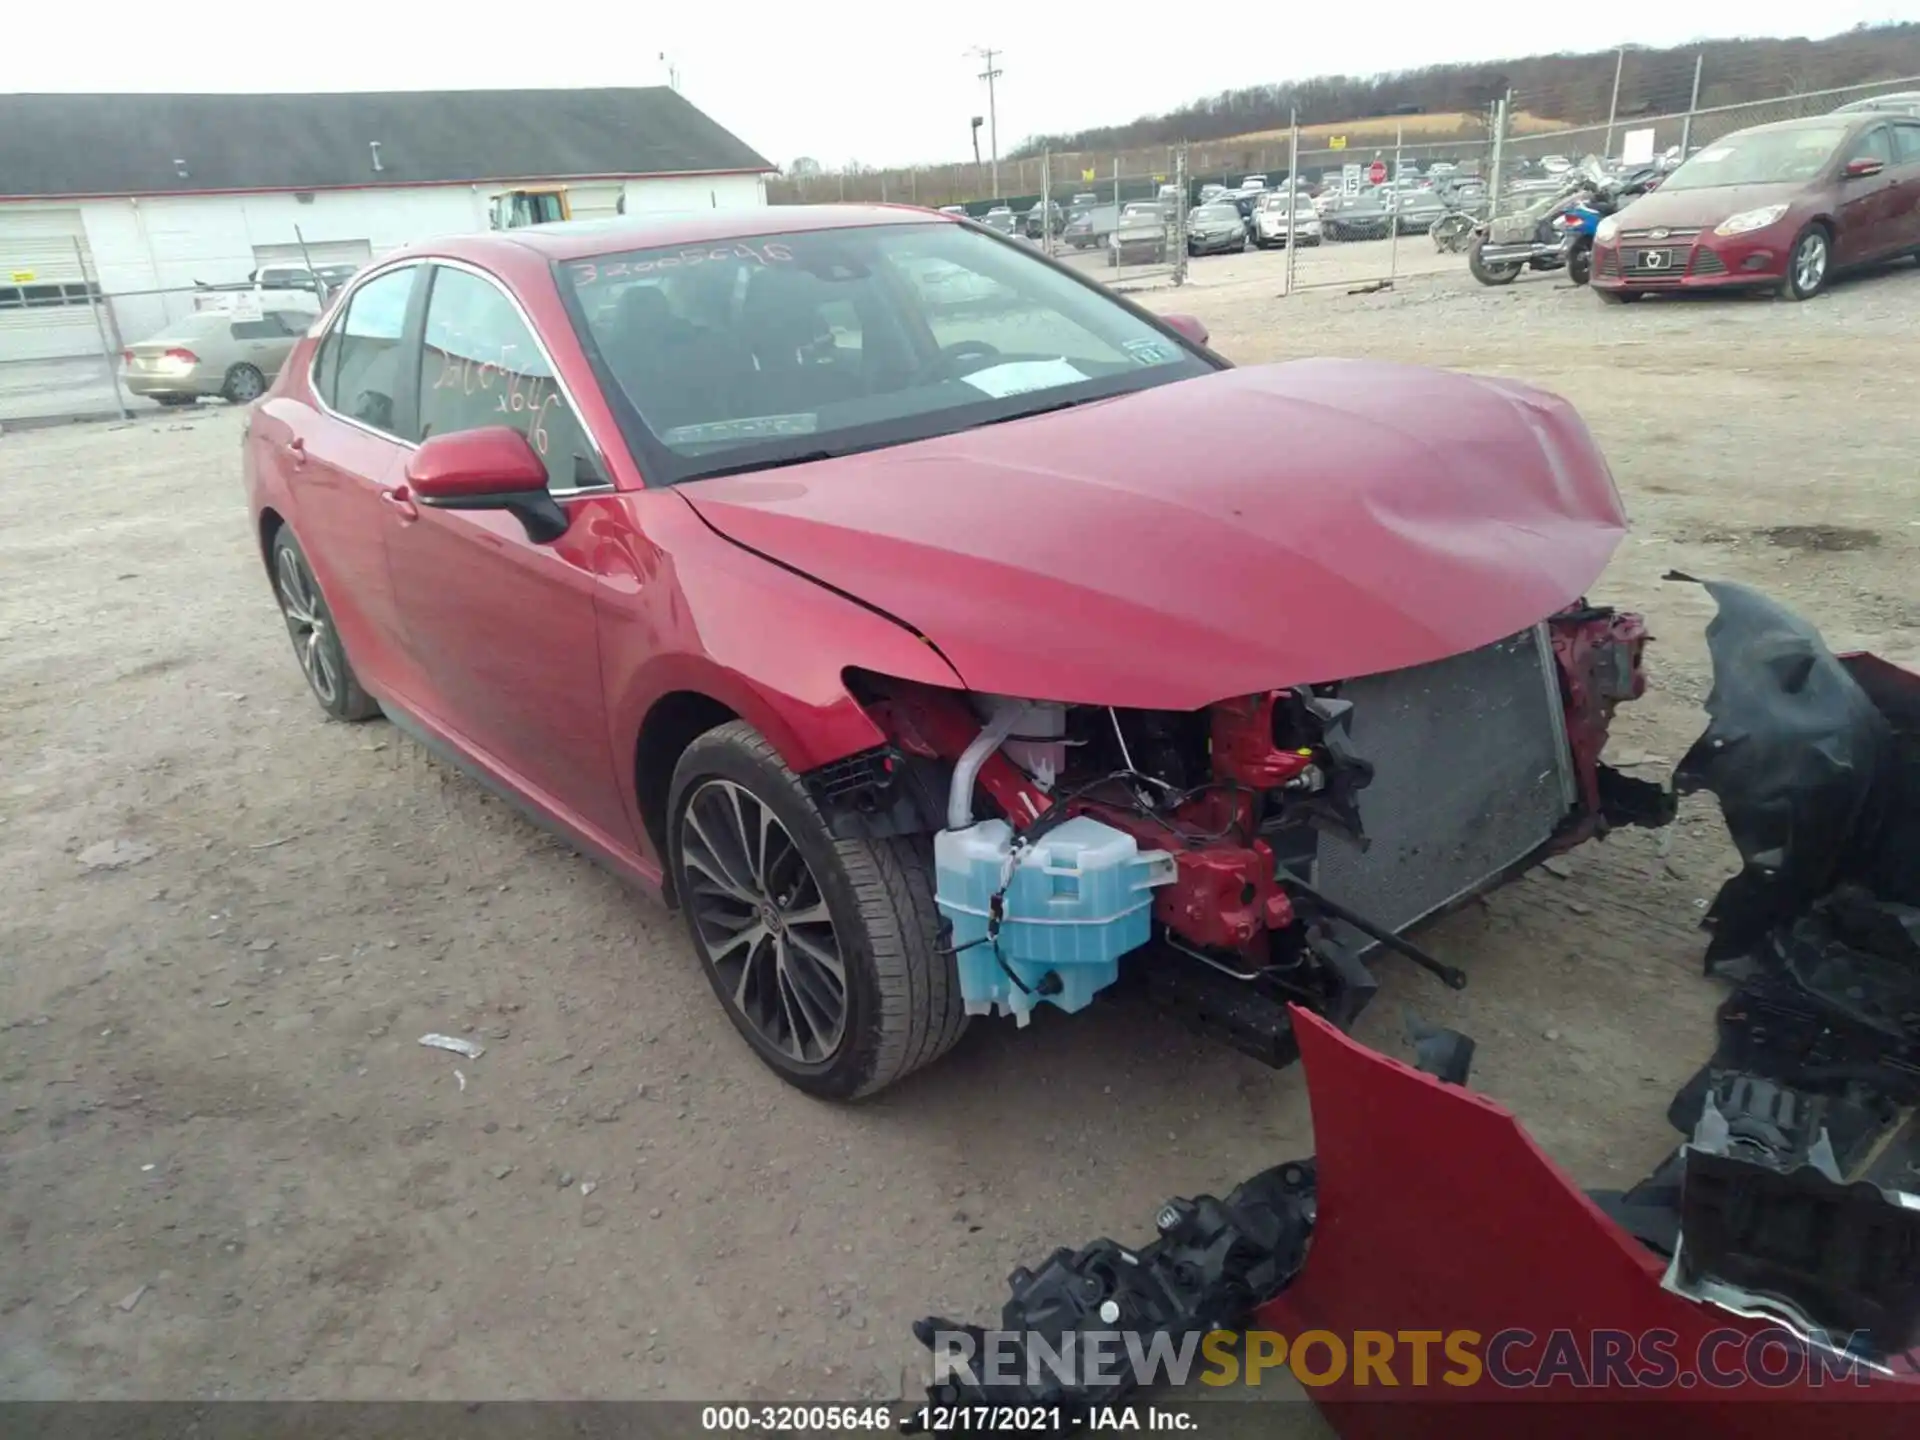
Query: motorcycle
(1540, 237)
(1580, 222)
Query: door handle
(297, 450)
(401, 499)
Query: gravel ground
(230, 1170)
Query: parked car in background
(1253, 184)
(1003, 220)
(1089, 229)
(213, 352)
(1216, 229)
(334, 277)
(1140, 235)
(1901, 102)
(1211, 192)
(1282, 215)
(1035, 223)
(1366, 216)
(1415, 210)
(1784, 206)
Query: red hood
(1686, 209)
(1249, 530)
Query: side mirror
(1863, 167)
(492, 468)
(1187, 325)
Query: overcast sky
(858, 80)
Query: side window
(480, 366)
(1906, 144)
(1874, 145)
(361, 379)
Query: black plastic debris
(1810, 773)
(1445, 1054)
(1212, 1264)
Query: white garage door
(50, 349)
(320, 252)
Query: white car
(1270, 221)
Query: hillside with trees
(1571, 89)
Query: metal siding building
(116, 195)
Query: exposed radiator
(1471, 773)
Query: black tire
(1491, 274)
(1619, 297)
(244, 383)
(901, 997)
(1806, 275)
(1580, 262)
(316, 640)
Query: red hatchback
(766, 555)
(1784, 206)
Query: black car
(1034, 223)
(1216, 229)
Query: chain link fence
(1128, 230)
(96, 355)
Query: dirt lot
(230, 1170)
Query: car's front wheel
(824, 952)
(1808, 263)
(316, 640)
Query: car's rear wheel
(243, 383)
(1808, 263)
(824, 952)
(316, 640)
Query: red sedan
(1784, 206)
(851, 578)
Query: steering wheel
(951, 357)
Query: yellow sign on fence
(23, 277)
(1087, 175)
(1336, 142)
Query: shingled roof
(67, 145)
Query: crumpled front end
(1262, 851)
(1431, 1272)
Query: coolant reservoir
(1076, 901)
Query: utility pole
(1693, 104)
(1613, 106)
(991, 74)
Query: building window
(35, 297)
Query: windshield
(1216, 214)
(776, 348)
(1760, 157)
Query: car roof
(1856, 120)
(1898, 100)
(580, 239)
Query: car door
(1866, 224)
(502, 629)
(342, 456)
(1904, 203)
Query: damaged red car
(845, 576)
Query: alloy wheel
(762, 919)
(246, 384)
(307, 623)
(1810, 262)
